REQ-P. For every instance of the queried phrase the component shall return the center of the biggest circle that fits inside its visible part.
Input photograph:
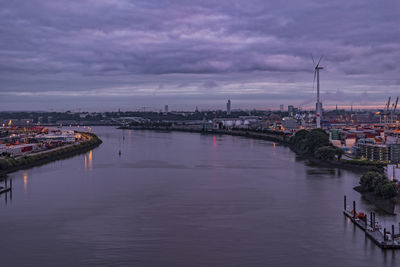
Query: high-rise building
(290, 109)
(228, 107)
(281, 108)
(166, 109)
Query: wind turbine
(319, 104)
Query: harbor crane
(394, 109)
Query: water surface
(183, 199)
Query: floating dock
(384, 240)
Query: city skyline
(103, 55)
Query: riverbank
(14, 164)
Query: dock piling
(354, 209)
(371, 221)
(373, 227)
(384, 234)
(345, 204)
(392, 231)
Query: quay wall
(9, 165)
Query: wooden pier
(384, 240)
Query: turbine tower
(318, 104)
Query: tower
(228, 107)
(318, 105)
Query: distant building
(228, 107)
(166, 109)
(291, 110)
(289, 124)
(374, 152)
(281, 108)
(379, 152)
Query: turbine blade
(320, 60)
(313, 59)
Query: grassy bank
(8, 165)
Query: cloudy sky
(106, 54)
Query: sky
(98, 55)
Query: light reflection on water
(88, 160)
(181, 199)
(25, 181)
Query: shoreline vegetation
(378, 189)
(8, 165)
(314, 146)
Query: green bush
(4, 164)
(379, 184)
(389, 190)
(307, 142)
(328, 153)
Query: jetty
(381, 237)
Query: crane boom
(394, 108)
(395, 105)
(388, 105)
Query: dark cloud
(210, 84)
(237, 48)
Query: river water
(184, 199)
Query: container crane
(387, 111)
(394, 108)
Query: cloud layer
(187, 53)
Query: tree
(378, 168)
(317, 138)
(325, 153)
(367, 180)
(389, 190)
(307, 142)
(379, 184)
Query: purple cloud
(254, 49)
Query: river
(184, 199)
